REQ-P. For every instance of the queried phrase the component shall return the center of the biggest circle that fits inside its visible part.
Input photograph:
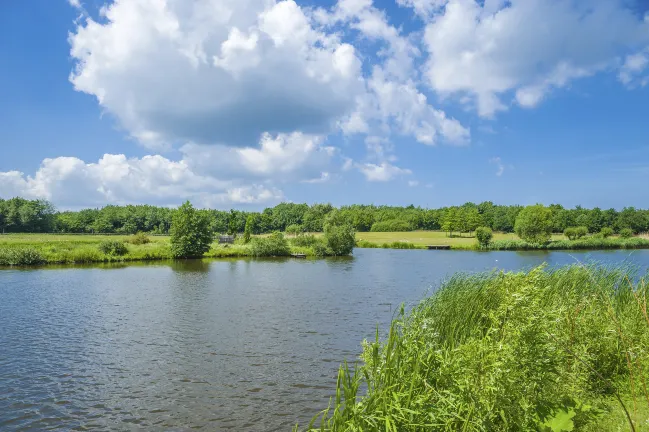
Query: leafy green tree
(606, 232)
(534, 224)
(626, 233)
(293, 229)
(247, 232)
(191, 235)
(340, 238)
(484, 236)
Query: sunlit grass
(545, 350)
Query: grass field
(424, 238)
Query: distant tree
(626, 233)
(606, 232)
(534, 224)
(247, 232)
(340, 238)
(191, 235)
(293, 229)
(484, 236)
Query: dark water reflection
(238, 344)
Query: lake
(246, 345)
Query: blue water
(220, 345)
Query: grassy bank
(37, 249)
(501, 241)
(547, 350)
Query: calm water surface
(221, 345)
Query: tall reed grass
(546, 350)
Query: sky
(248, 103)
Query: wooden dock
(438, 247)
(300, 256)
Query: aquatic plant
(549, 350)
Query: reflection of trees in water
(190, 265)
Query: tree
(191, 235)
(247, 232)
(606, 232)
(534, 224)
(340, 238)
(293, 229)
(626, 233)
(484, 236)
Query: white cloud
(70, 182)
(413, 183)
(324, 178)
(382, 172)
(75, 3)
(282, 157)
(214, 71)
(633, 67)
(499, 165)
(528, 47)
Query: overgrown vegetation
(191, 236)
(484, 235)
(113, 247)
(548, 350)
(275, 245)
(18, 215)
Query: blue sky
(248, 103)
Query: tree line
(18, 215)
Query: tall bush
(273, 245)
(191, 235)
(340, 239)
(484, 236)
(534, 224)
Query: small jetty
(438, 247)
(300, 256)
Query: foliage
(275, 245)
(113, 247)
(606, 232)
(339, 238)
(626, 233)
(294, 229)
(139, 239)
(574, 233)
(20, 257)
(545, 350)
(484, 236)
(191, 235)
(592, 243)
(534, 224)
(391, 226)
(305, 240)
(247, 232)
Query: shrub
(191, 235)
(508, 352)
(606, 232)
(534, 224)
(20, 257)
(113, 247)
(273, 245)
(305, 240)
(294, 229)
(626, 233)
(139, 239)
(393, 225)
(320, 249)
(484, 236)
(574, 233)
(340, 239)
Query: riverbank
(39, 249)
(500, 242)
(549, 350)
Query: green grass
(37, 249)
(501, 241)
(423, 238)
(545, 350)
